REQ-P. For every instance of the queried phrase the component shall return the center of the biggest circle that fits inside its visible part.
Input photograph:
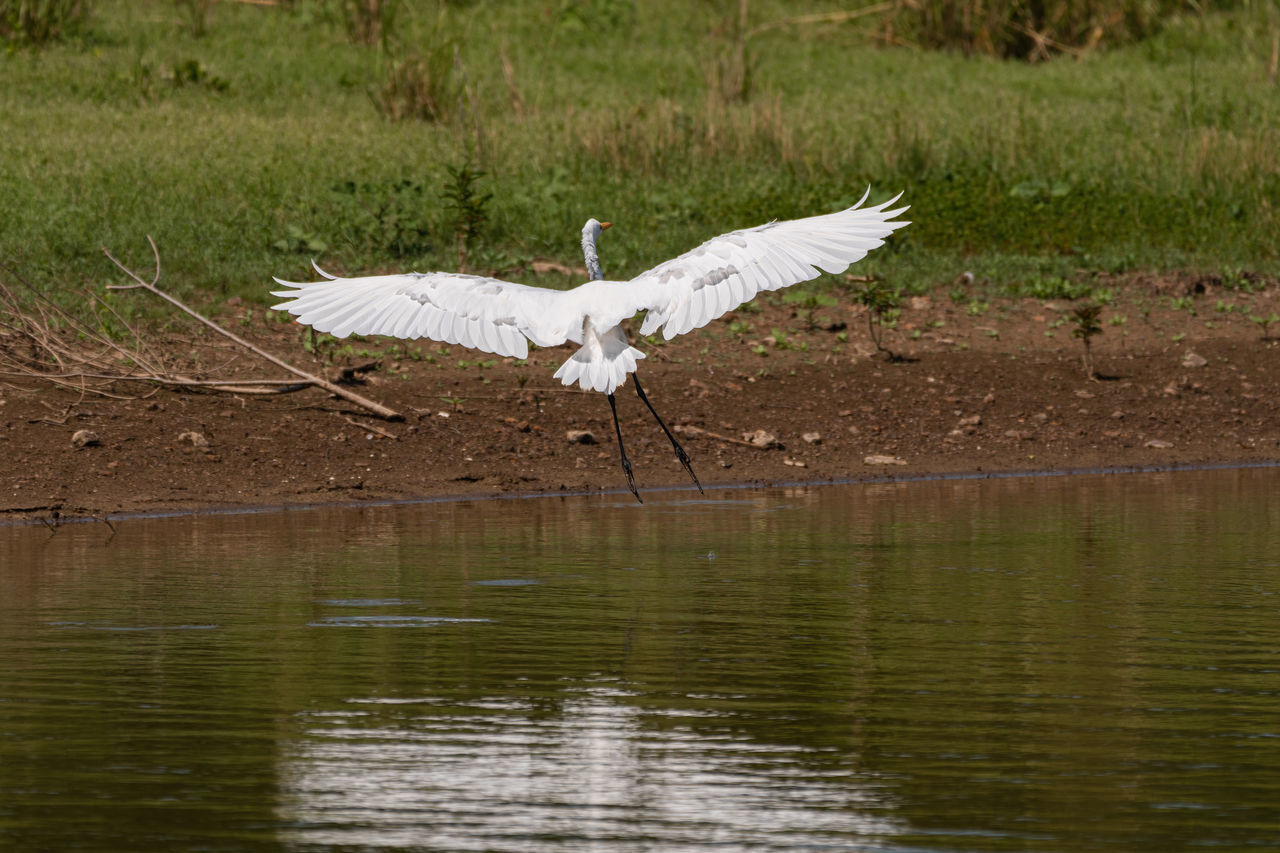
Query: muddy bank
(780, 394)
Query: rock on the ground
(85, 438)
(580, 436)
(883, 459)
(196, 439)
(761, 438)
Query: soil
(1185, 377)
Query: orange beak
(604, 225)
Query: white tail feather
(602, 362)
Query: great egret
(680, 295)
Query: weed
(384, 217)
(1183, 303)
(468, 204)
(39, 22)
(422, 86)
(1242, 281)
(197, 14)
(297, 241)
(1087, 326)
(728, 69)
(368, 21)
(884, 307)
(320, 344)
(192, 72)
(1054, 287)
(1265, 322)
(1032, 31)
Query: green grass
(250, 149)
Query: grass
(250, 148)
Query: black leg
(626, 463)
(680, 454)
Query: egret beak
(604, 225)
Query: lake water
(1085, 663)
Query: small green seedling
(884, 306)
(1086, 317)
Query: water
(1086, 663)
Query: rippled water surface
(1087, 663)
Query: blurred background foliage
(1033, 140)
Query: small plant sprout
(883, 306)
(1086, 316)
(1265, 322)
(467, 205)
(456, 402)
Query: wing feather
(484, 313)
(690, 291)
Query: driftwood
(308, 378)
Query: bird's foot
(688, 466)
(631, 481)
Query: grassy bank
(258, 144)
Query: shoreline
(766, 397)
(624, 495)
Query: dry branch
(44, 342)
(685, 429)
(310, 379)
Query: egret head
(591, 231)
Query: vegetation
(1086, 317)
(884, 306)
(39, 21)
(251, 139)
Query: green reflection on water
(1060, 664)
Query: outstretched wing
(690, 291)
(483, 313)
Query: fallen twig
(319, 382)
(371, 428)
(684, 429)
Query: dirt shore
(783, 393)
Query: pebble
(761, 438)
(1159, 444)
(85, 438)
(812, 438)
(1194, 360)
(580, 436)
(883, 459)
(196, 439)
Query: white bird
(680, 295)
